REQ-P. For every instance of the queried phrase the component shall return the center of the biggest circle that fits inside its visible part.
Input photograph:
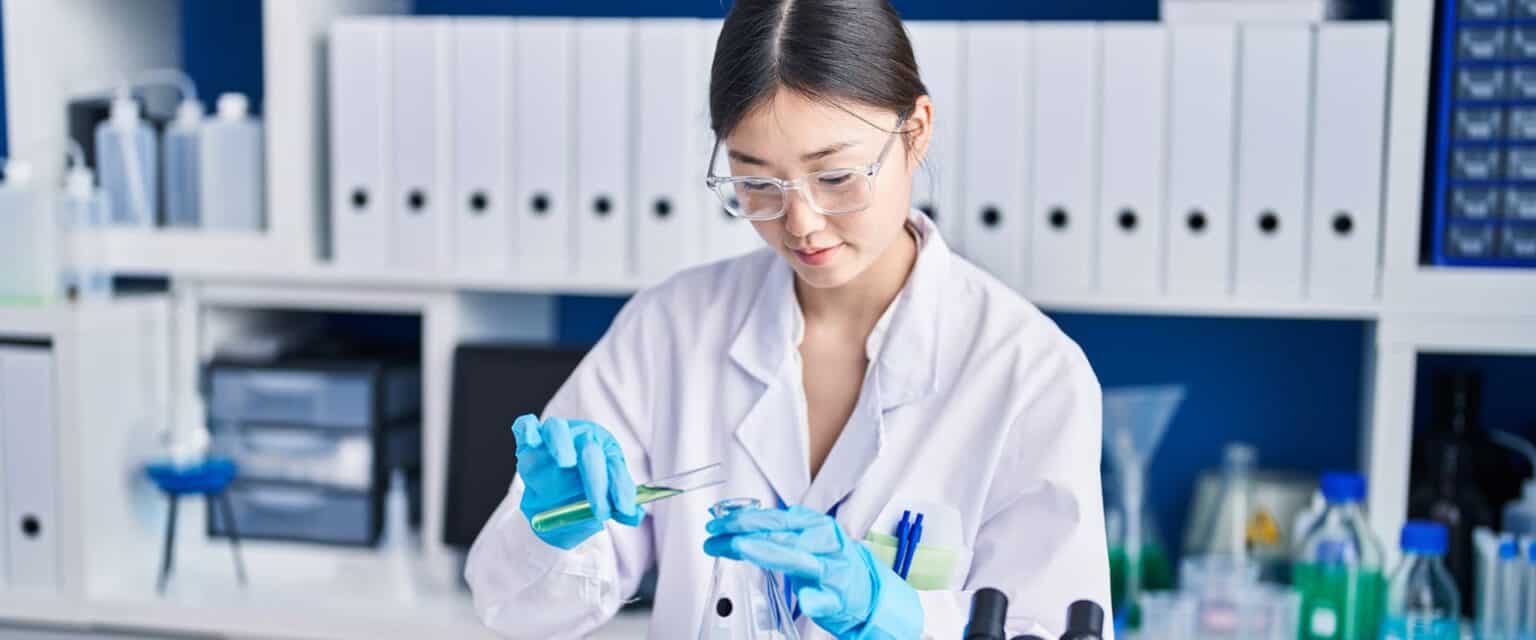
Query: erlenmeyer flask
(745, 602)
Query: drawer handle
(286, 500)
(305, 444)
(284, 383)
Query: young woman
(852, 372)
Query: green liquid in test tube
(581, 510)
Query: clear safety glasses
(831, 192)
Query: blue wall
(221, 49)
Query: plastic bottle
(1519, 514)
(1338, 568)
(1501, 620)
(1445, 488)
(1528, 596)
(181, 165)
(82, 215)
(232, 185)
(25, 237)
(1422, 601)
(399, 539)
(128, 159)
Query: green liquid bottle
(1338, 568)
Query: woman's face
(791, 136)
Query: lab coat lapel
(903, 351)
(852, 454)
(772, 430)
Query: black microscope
(989, 611)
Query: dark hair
(854, 50)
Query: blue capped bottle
(1338, 567)
(1422, 601)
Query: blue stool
(210, 480)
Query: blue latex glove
(563, 461)
(837, 582)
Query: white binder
(1065, 166)
(422, 117)
(936, 187)
(1348, 145)
(361, 194)
(482, 143)
(996, 149)
(1274, 114)
(1202, 77)
(1131, 159)
(668, 157)
(29, 471)
(726, 236)
(603, 115)
(543, 159)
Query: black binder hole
(662, 208)
(30, 527)
(416, 200)
(602, 206)
(1196, 221)
(1127, 219)
(1268, 221)
(479, 202)
(1343, 223)
(991, 217)
(723, 607)
(540, 203)
(359, 198)
(928, 210)
(1059, 218)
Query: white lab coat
(973, 399)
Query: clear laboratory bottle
(1422, 600)
(1338, 570)
(745, 602)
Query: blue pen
(914, 536)
(901, 540)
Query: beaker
(745, 602)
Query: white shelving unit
(112, 522)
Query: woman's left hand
(837, 582)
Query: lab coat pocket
(933, 568)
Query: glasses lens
(840, 190)
(751, 198)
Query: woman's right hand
(562, 461)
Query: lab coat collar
(903, 346)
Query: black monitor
(492, 386)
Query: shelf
(1463, 291)
(39, 608)
(1226, 307)
(30, 321)
(336, 278)
(1473, 336)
